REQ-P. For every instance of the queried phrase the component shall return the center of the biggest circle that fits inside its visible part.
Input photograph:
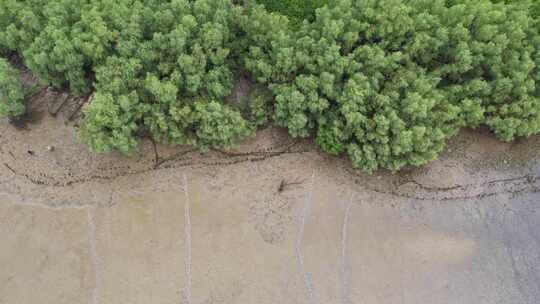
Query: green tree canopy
(388, 81)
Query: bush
(389, 81)
(349, 76)
(20, 23)
(490, 57)
(77, 37)
(163, 67)
(170, 78)
(11, 92)
(298, 10)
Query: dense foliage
(11, 91)
(297, 10)
(163, 67)
(389, 81)
(20, 23)
(495, 63)
(386, 82)
(169, 77)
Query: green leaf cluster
(297, 10)
(20, 23)
(11, 91)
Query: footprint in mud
(272, 216)
(29, 118)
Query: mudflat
(273, 221)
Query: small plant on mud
(284, 185)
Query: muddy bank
(474, 165)
(273, 221)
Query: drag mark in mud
(187, 232)
(299, 254)
(94, 257)
(10, 169)
(344, 279)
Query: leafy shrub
(11, 91)
(298, 10)
(350, 77)
(20, 23)
(78, 36)
(260, 54)
(389, 81)
(258, 107)
(158, 66)
(171, 80)
(490, 57)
